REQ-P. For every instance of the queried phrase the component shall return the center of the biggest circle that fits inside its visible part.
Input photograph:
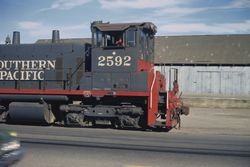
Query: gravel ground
(216, 121)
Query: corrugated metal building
(214, 64)
(207, 64)
(214, 80)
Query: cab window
(113, 39)
(97, 37)
(131, 38)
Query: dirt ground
(216, 121)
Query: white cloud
(29, 24)
(66, 4)
(202, 28)
(140, 4)
(178, 11)
(34, 28)
(239, 4)
(39, 30)
(169, 8)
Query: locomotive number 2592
(114, 61)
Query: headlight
(13, 145)
(13, 134)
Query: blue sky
(35, 19)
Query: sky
(35, 19)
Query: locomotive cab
(122, 44)
(124, 50)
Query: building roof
(194, 50)
(203, 50)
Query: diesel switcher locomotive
(110, 80)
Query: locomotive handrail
(80, 64)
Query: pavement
(208, 137)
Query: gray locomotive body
(43, 66)
(110, 80)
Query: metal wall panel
(229, 81)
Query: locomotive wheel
(116, 124)
(74, 119)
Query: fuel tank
(29, 112)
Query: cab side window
(142, 44)
(97, 37)
(147, 46)
(130, 35)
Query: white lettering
(28, 75)
(9, 76)
(1, 65)
(40, 75)
(25, 69)
(25, 65)
(127, 60)
(22, 75)
(7, 65)
(51, 64)
(34, 75)
(15, 75)
(114, 61)
(34, 64)
(42, 64)
(3, 74)
(16, 64)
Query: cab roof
(123, 26)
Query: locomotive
(110, 80)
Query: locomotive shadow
(26, 123)
(149, 129)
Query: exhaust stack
(55, 36)
(16, 38)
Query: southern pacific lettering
(25, 70)
(27, 64)
(22, 75)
